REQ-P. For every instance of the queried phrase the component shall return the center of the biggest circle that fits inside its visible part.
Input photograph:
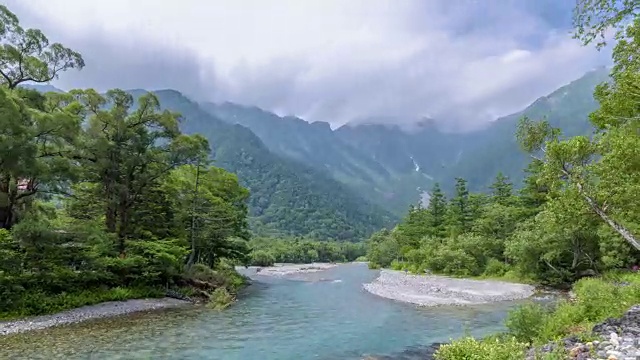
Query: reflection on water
(276, 319)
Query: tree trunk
(111, 211)
(619, 228)
(192, 255)
(123, 223)
(8, 194)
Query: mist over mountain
(392, 164)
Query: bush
(526, 322)
(220, 299)
(453, 262)
(495, 268)
(469, 348)
(398, 265)
(262, 258)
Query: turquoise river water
(275, 319)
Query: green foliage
(97, 197)
(262, 258)
(469, 348)
(37, 302)
(525, 323)
(495, 268)
(220, 299)
(267, 251)
(534, 324)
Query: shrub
(262, 258)
(495, 268)
(526, 322)
(469, 348)
(220, 299)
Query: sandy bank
(432, 290)
(102, 310)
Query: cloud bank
(464, 62)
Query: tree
(459, 208)
(36, 131)
(27, 55)
(128, 152)
(37, 135)
(592, 18)
(576, 162)
(502, 189)
(214, 219)
(437, 211)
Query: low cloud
(463, 62)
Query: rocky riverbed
(432, 290)
(102, 310)
(619, 340)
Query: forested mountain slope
(286, 197)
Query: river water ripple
(276, 319)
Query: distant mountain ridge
(307, 179)
(392, 164)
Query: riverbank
(102, 310)
(613, 339)
(432, 290)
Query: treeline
(101, 196)
(267, 251)
(578, 213)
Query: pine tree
(502, 189)
(460, 216)
(437, 210)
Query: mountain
(317, 146)
(392, 165)
(495, 148)
(287, 197)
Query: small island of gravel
(102, 310)
(289, 269)
(432, 290)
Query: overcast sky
(463, 61)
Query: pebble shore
(432, 290)
(102, 310)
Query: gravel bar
(102, 310)
(290, 269)
(433, 290)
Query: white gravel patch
(290, 269)
(102, 310)
(432, 290)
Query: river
(276, 319)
